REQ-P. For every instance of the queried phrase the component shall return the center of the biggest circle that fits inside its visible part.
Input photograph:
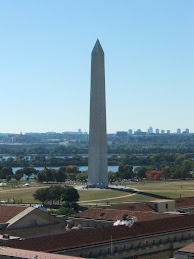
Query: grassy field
(170, 189)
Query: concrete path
(107, 199)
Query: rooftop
(7, 212)
(86, 237)
(160, 200)
(132, 206)
(31, 254)
(184, 202)
(114, 214)
(187, 249)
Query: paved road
(107, 199)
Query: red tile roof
(86, 237)
(184, 202)
(187, 249)
(7, 212)
(20, 253)
(114, 214)
(132, 206)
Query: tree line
(130, 145)
(46, 175)
(174, 166)
(44, 161)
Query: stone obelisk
(97, 158)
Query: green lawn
(170, 189)
(161, 185)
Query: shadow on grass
(140, 192)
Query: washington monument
(97, 158)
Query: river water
(113, 168)
(81, 168)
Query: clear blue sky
(45, 57)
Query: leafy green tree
(42, 195)
(29, 171)
(46, 175)
(166, 172)
(70, 194)
(58, 193)
(6, 171)
(19, 174)
(140, 172)
(55, 193)
(9, 177)
(49, 175)
(125, 172)
(72, 169)
(186, 168)
(60, 175)
(82, 176)
(41, 177)
(65, 211)
(112, 177)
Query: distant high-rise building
(168, 131)
(130, 132)
(187, 130)
(139, 132)
(79, 131)
(178, 131)
(162, 131)
(150, 130)
(157, 131)
(121, 133)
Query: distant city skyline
(129, 131)
(45, 64)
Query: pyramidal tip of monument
(97, 47)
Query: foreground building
(185, 204)
(155, 230)
(124, 213)
(149, 239)
(97, 157)
(28, 222)
(12, 253)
